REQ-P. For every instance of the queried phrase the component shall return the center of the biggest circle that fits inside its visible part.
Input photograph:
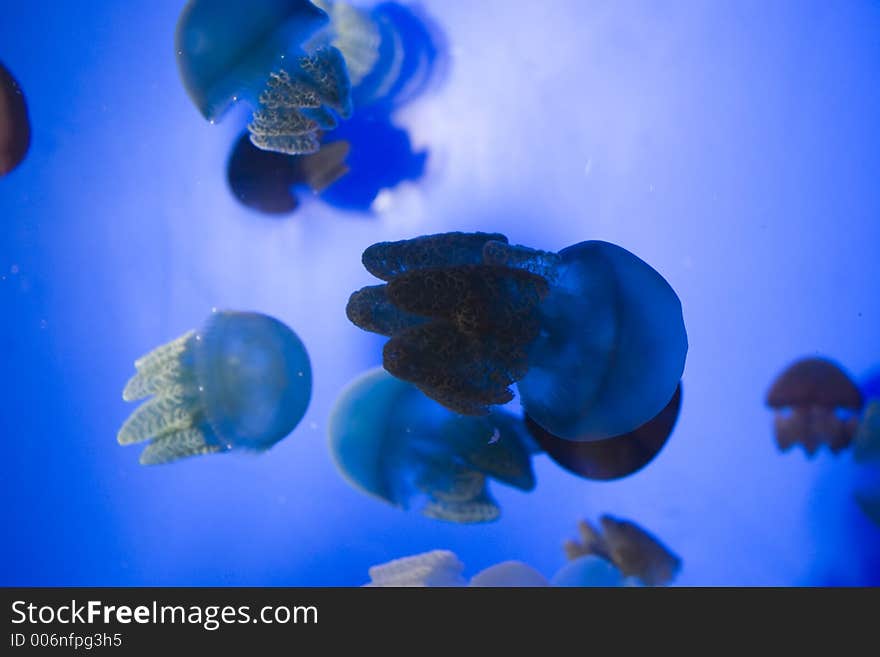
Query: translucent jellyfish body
(267, 181)
(593, 336)
(816, 404)
(15, 129)
(257, 51)
(242, 382)
(394, 443)
(611, 458)
(631, 550)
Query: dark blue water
(734, 146)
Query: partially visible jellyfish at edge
(393, 443)
(257, 51)
(816, 403)
(393, 54)
(15, 128)
(592, 336)
(241, 382)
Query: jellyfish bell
(241, 382)
(15, 129)
(390, 441)
(816, 404)
(588, 571)
(611, 458)
(509, 574)
(612, 349)
(227, 48)
(265, 181)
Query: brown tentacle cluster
(459, 328)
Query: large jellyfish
(15, 128)
(293, 61)
(593, 336)
(611, 458)
(394, 443)
(632, 550)
(266, 53)
(241, 382)
(816, 404)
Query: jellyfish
(632, 550)
(15, 128)
(442, 568)
(816, 404)
(589, 570)
(241, 382)
(509, 573)
(257, 51)
(390, 441)
(593, 337)
(434, 568)
(265, 181)
(611, 458)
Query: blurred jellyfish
(816, 403)
(589, 570)
(615, 457)
(265, 181)
(869, 503)
(15, 128)
(256, 51)
(242, 382)
(509, 573)
(866, 445)
(593, 337)
(435, 568)
(632, 550)
(443, 568)
(392, 442)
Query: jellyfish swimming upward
(392, 442)
(241, 382)
(592, 336)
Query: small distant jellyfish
(632, 550)
(391, 442)
(255, 51)
(592, 336)
(15, 128)
(241, 382)
(816, 404)
(612, 458)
